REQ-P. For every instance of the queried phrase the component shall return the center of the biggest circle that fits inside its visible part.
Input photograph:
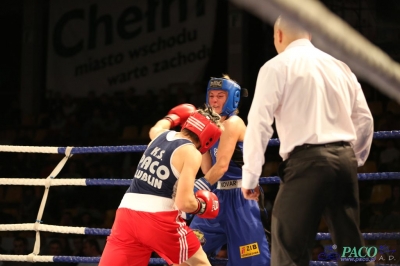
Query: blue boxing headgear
(233, 90)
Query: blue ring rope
(141, 148)
(320, 236)
(263, 180)
(159, 261)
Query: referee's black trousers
(316, 181)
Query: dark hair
(191, 135)
(94, 243)
(55, 241)
(22, 239)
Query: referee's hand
(251, 194)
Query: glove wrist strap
(172, 119)
(201, 207)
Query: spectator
(29, 205)
(69, 105)
(2, 250)
(65, 246)
(199, 94)
(388, 122)
(93, 128)
(180, 96)
(77, 246)
(164, 102)
(129, 109)
(389, 158)
(67, 219)
(20, 247)
(91, 248)
(87, 106)
(73, 130)
(86, 219)
(105, 102)
(111, 124)
(146, 106)
(391, 207)
(54, 248)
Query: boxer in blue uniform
(240, 223)
(149, 216)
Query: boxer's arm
(230, 136)
(190, 158)
(176, 116)
(160, 127)
(206, 162)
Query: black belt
(332, 144)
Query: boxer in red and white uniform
(149, 216)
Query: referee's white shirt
(314, 98)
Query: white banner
(107, 45)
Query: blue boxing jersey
(235, 165)
(155, 174)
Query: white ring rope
(48, 181)
(30, 257)
(33, 149)
(43, 228)
(333, 35)
(42, 182)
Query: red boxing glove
(179, 114)
(208, 207)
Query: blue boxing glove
(202, 184)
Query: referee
(325, 128)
